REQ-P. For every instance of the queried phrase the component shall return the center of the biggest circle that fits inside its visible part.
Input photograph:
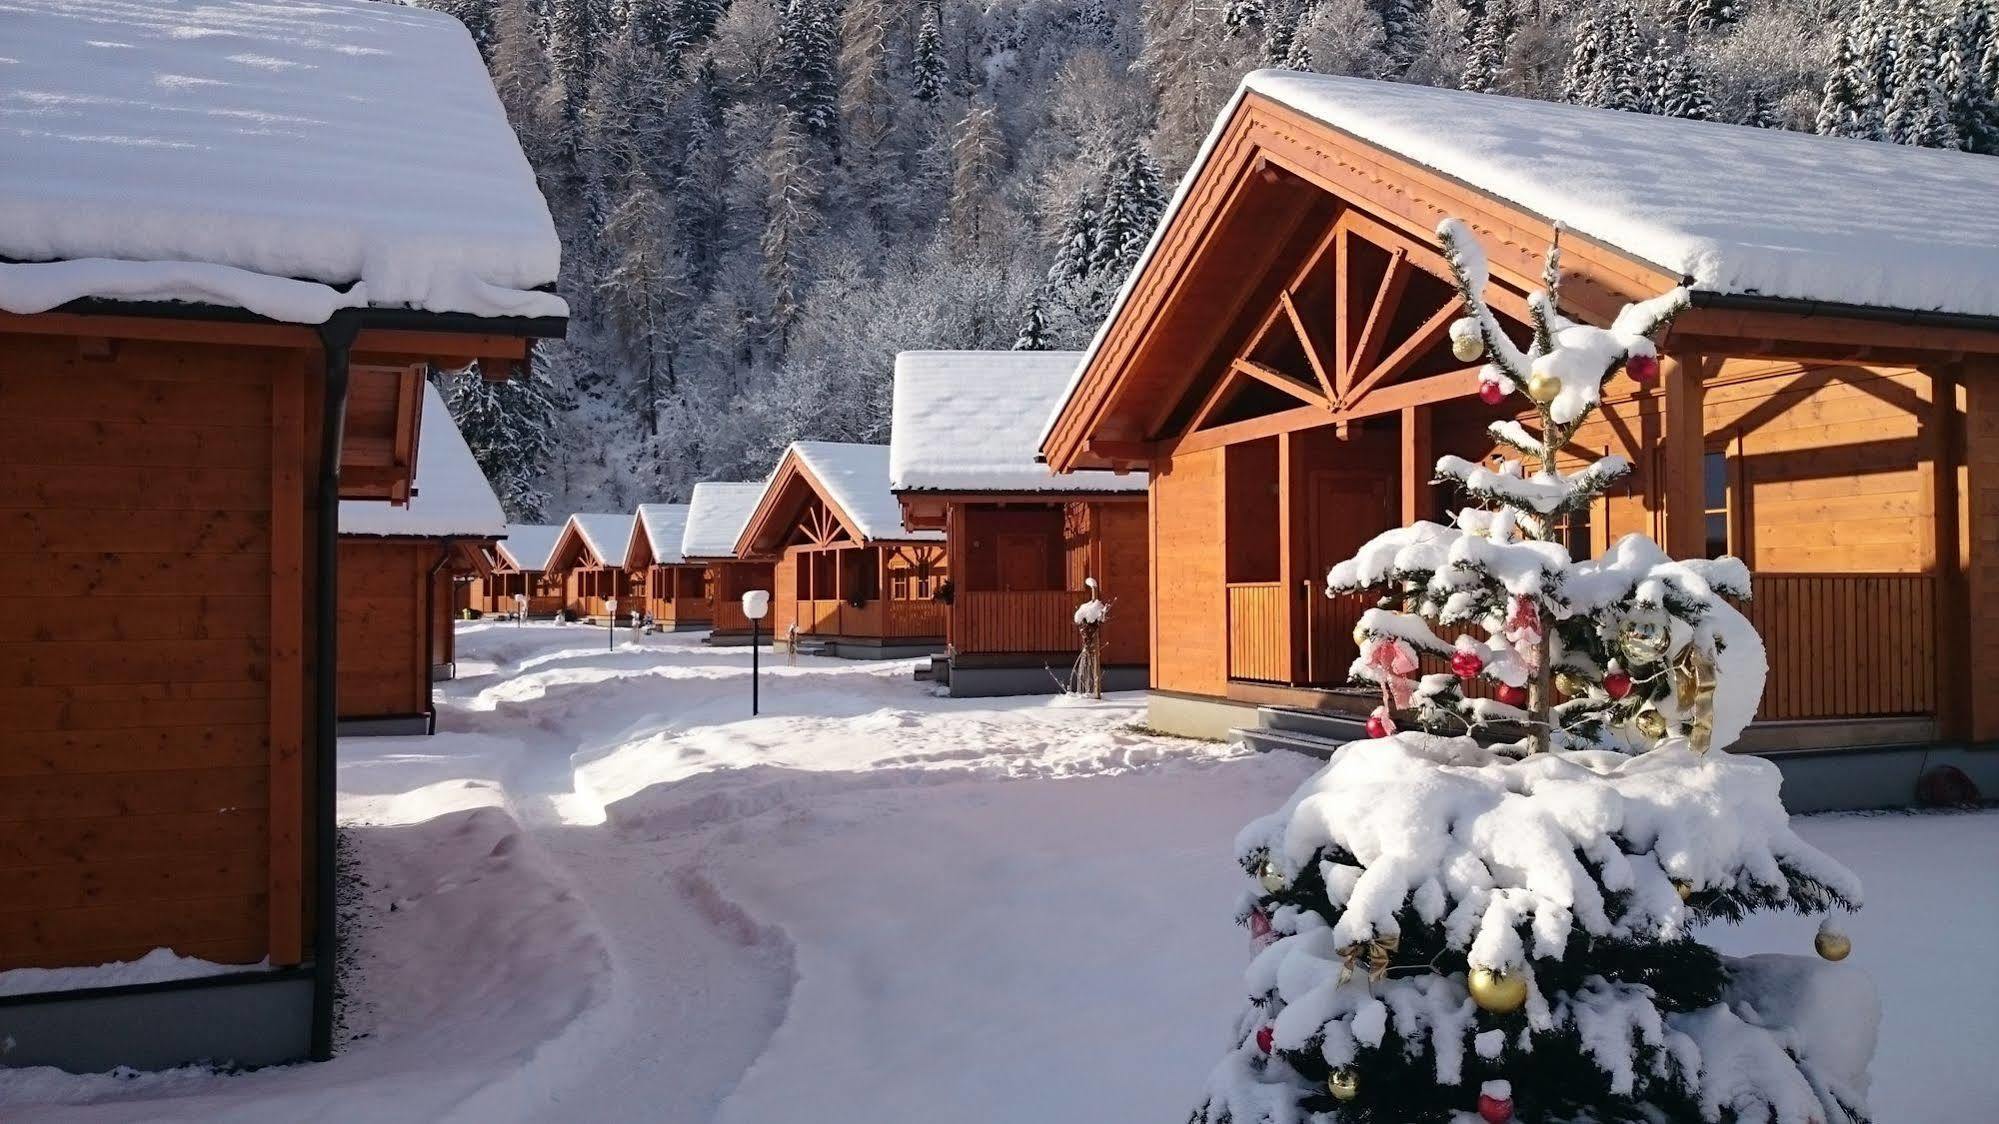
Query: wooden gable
(795, 509)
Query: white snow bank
(289, 157)
(967, 421)
(450, 497)
(158, 966)
(856, 481)
(664, 525)
(717, 512)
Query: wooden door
(1343, 509)
(1023, 562)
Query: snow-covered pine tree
(1401, 30)
(1242, 17)
(1682, 89)
(646, 294)
(807, 48)
(926, 67)
(1975, 56)
(1491, 33)
(510, 428)
(1580, 83)
(1846, 106)
(574, 29)
(1034, 334)
(1622, 69)
(1133, 201)
(1493, 919)
(791, 215)
(1756, 111)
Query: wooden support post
(285, 875)
(1290, 567)
(1939, 553)
(1979, 543)
(1418, 464)
(1686, 444)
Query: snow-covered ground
(606, 893)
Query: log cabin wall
(730, 581)
(495, 593)
(385, 658)
(154, 649)
(1018, 575)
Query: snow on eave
(717, 514)
(1836, 226)
(449, 497)
(965, 421)
(663, 525)
(854, 479)
(286, 157)
(527, 547)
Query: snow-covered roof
(968, 421)
(288, 157)
(449, 498)
(528, 545)
(716, 515)
(856, 481)
(663, 525)
(1733, 209)
(605, 533)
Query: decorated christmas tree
(1488, 910)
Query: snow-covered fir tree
(1488, 909)
(510, 427)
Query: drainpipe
(430, 636)
(336, 341)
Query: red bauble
(1466, 664)
(1265, 1034)
(1642, 368)
(1259, 924)
(1494, 1110)
(1490, 393)
(1379, 725)
(1617, 684)
(1511, 695)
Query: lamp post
(520, 609)
(611, 619)
(756, 604)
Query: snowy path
(606, 893)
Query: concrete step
(1336, 728)
(1270, 741)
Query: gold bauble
(1543, 387)
(1832, 944)
(1343, 1083)
(1643, 642)
(1467, 347)
(1650, 723)
(1271, 877)
(1498, 992)
(1571, 685)
(1683, 888)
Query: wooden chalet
(399, 569)
(210, 337)
(1828, 411)
(716, 515)
(519, 568)
(1019, 540)
(848, 575)
(589, 558)
(672, 592)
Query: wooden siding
(1257, 640)
(384, 656)
(155, 689)
(1189, 614)
(1026, 621)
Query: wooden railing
(915, 618)
(1846, 645)
(1036, 620)
(1256, 632)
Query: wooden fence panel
(1846, 645)
(917, 618)
(1040, 620)
(1256, 632)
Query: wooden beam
(1343, 333)
(1418, 464)
(1252, 429)
(1291, 563)
(1419, 392)
(1374, 329)
(1126, 451)
(1685, 448)
(285, 873)
(1311, 349)
(1294, 387)
(1433, 332)
(1944, 429)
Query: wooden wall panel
(1189, 623)
(1125, 575)
(137, 634)
(384, 662)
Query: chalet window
(1573, 532)
(1715, 501)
